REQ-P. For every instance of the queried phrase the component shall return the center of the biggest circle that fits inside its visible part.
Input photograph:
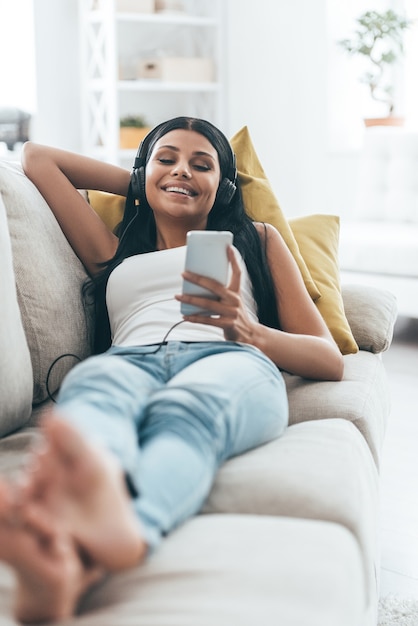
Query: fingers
(203, 281)
(226, 311)
(235, 282)
(224, 307)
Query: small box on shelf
(136, 6)
(169, 6)
(149, 68)
(177, 69)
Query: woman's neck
(172, 241)
(173, 236)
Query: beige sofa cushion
(316, 470)
(49, 279)
(371, 314)
(15, 363)
(232, 570)
(360, 398)
(299, 551)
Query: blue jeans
(173, 417)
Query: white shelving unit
(113, 45)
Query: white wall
(278, 82)
(17, 65)
(278, 88)
(282, 84)
(58, 120)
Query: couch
(289, 532)
(379, 238)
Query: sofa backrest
(15, 364)
(49, 279)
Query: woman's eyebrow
(196, 153)
(203, 153)
(169, 147)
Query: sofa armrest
(371, 314)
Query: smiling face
(182, 177)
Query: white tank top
(141, 304)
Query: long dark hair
(137, 231)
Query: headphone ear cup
(226, 191)
(138, 183)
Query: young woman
(141, 428)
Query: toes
(67, 443)
(81, 463)
(92, 576)
(39, 471)
(6, 499)
(39, 521)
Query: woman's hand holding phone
(217, 303)
(206, 256)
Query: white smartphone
(206, 254)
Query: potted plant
(133, 129)
(379, 39)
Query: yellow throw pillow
(110, 207)
(260, 202)
(318, 238)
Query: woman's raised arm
(58, 174)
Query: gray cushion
(15, 363)
(49, 279)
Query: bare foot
(84, 489)
(50, 574)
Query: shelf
(112, 44)
(166, 18)
(156, 18)
(157, 85)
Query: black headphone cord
(55, 361)
(164, 340)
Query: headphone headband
(234, 176)
(140, 155)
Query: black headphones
(226, 189)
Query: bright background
(287, 80)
